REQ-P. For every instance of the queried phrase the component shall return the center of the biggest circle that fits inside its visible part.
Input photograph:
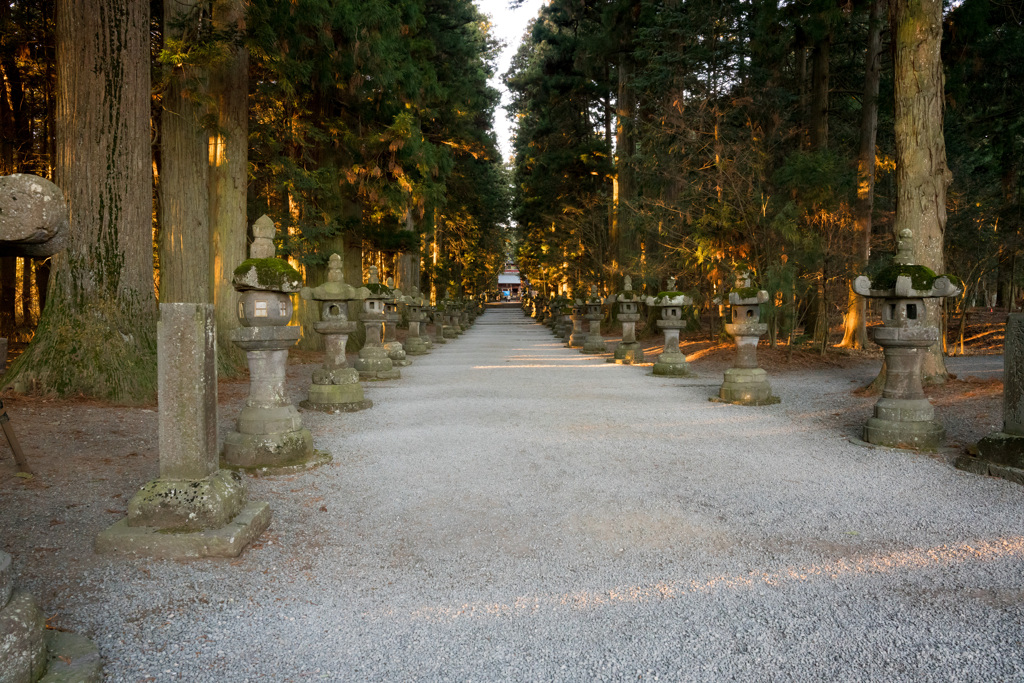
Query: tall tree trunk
(8, 284)
(407, 273)
(229, 87)
(625, 147)
(97, 333)
(184, 209)
(855, 334)
(921, 172)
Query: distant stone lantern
(335, 386)
(593, 314)
(437, 315)
(416, 344)
(903, 416)
(671, 362)
(450, 313)
(393, 316)
(374, 363)
(628, 351)
(576, 335)
(745, 383)
(269, 431)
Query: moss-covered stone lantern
(594, 314)
(335, 386)
(393, 316)
(374, 363)
(628, 351)
(437, 316)
(416, 344)
(903, 416)
(269, 431)
(745, 383)
(671, 363)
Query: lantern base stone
(270, 450)
(628, 353)
(923, 435)
(415, 346)
(672, 365)
(227, 541)
(334, 398)
(998, 455)
(746, 386)
(188, 504)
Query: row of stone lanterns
(903, 416)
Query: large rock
(33, 216)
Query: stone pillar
(194, 509)
(335, 386)
(269, 433)
(594, 341)
(1001, 454)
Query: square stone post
(194, 509)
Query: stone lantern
(576, 335)
(335, 386)
(903, 416)
(374, 363)
(593, 314)
(393, 316)
(416, 344)
(671, 363)
(269, 430)
(437, 316)
(745, 383)
(449, 317)
(628, 351)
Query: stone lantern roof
(335, 289)
(374, 287)
(627, 295)
(904, 279)
(262, 270)
(670, 297)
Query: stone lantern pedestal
(576, 335)
(903, 416)
(392, 316)
(335, 386)
(1001, 454)
(416, 344)
(745, 383)
(671, 363)
(374, 362)
(594, 341)
(628, 351)
(269, 432)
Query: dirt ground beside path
(89, 457)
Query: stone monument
(671, 362)
(1001, 454)
(576, 334)
(392, 316)
(594, 341)
(903, 416)
(374, 362)
(269, 432)
(628, 351)
(194, 509)
(745, 383)
(335, 386)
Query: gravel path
(514, 510)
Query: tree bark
(819, 93)
(97, 333)
(625, 147)
(184, 210)
(855, 334)
(921, 172)
(229, 87)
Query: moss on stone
(921, 277)
(746, 292)
(271, 273)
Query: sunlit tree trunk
(921, 172)
(855, 327)
(229, 87)
(97, 333)
(184, 213)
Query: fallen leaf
(24, 475)
(323, 508)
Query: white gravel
(514, 510)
